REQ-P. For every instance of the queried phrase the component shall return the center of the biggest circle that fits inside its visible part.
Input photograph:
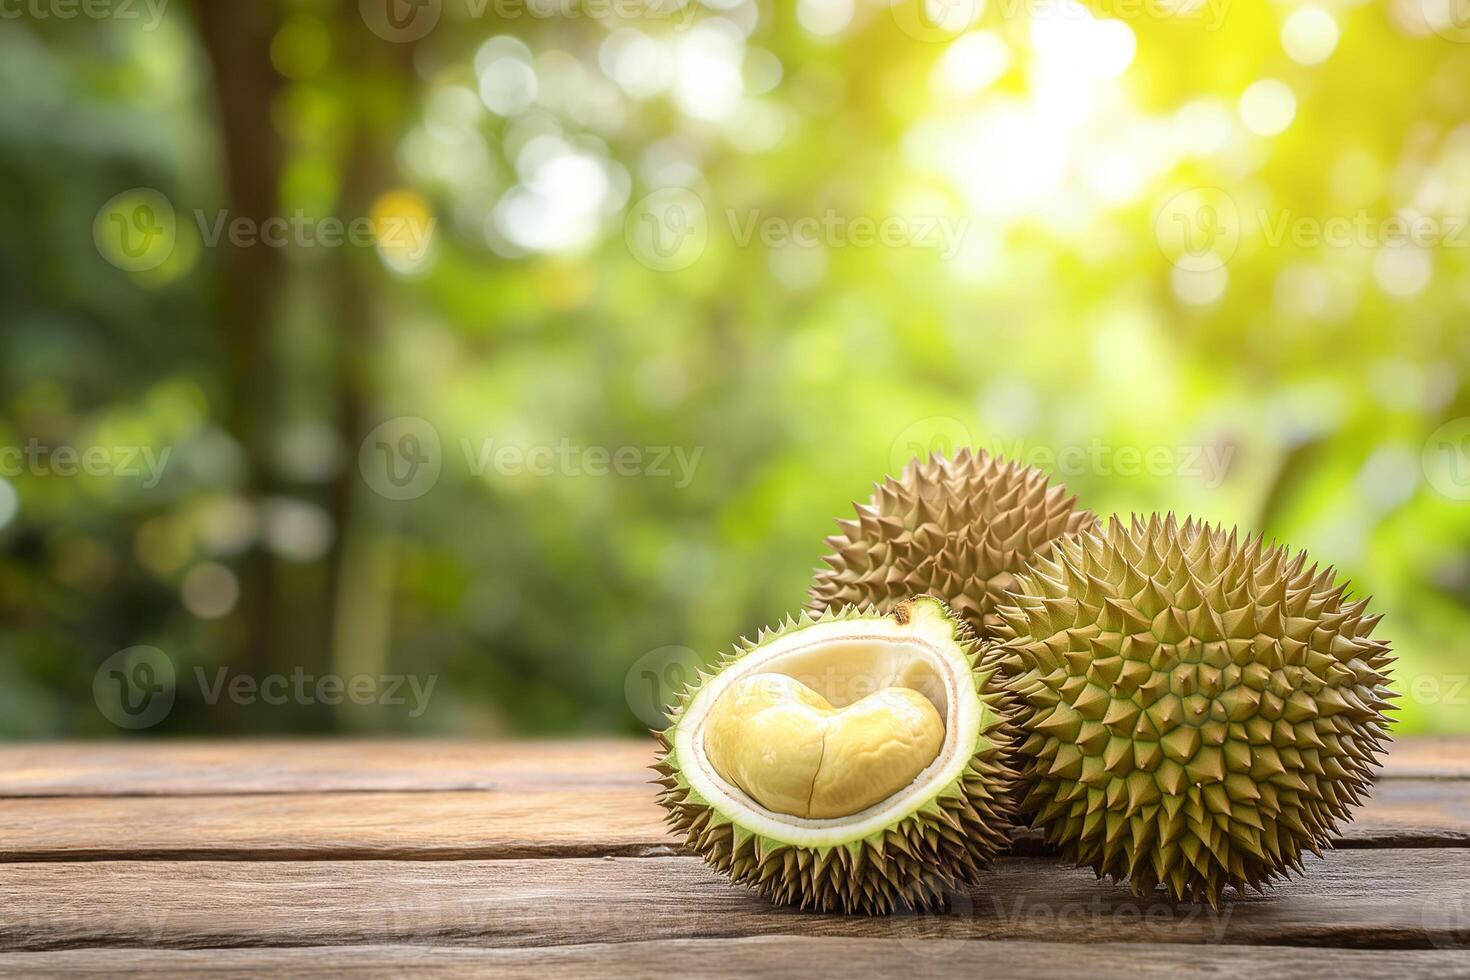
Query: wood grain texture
(314, 826)
(1351, 899)
(620, 821)
(1429, 757)
(729, 959)
(550, 860)
(215, 768)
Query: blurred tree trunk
(237, 37)
(377, 78)
(359, 571)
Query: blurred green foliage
(1134, 299)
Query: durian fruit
(854, 761)
(958, 528)
(1198, 709)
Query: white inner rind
(844, 661)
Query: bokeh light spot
(508, 83)
(709, 81)
(1267, 107)
(9, 502)
(824, 18)
(1077, 46)
(1403, 271)
(1309, 35)
(1199, 287)
(403, 230)
(301, 48)
(210, 590)
(972, 63)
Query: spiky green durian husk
(1198, 709)
(919, 863)
(958, 528)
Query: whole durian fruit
(1198, 709)
(856, 761)
(958, 528)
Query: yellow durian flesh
(917, 847)
(792, 752)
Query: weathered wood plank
(621, 821)
(1352, 899)
(1429, 757)
(1413, 813)
(195, 768)
(205, 768)
(734, 959)
(308, 826)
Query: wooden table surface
(550, 859)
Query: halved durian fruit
(856, 761)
